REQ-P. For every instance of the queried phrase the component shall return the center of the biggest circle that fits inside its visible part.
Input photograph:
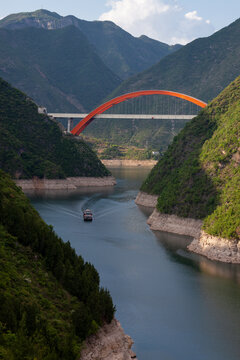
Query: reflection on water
(66, 194)
(135, 174)
(147, 211)
(215, 268)
(173, 242)
(177, 246)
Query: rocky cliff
(110, 343)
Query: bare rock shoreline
(69, 183)
(216, 248)
(110, 343)
(129, 163)
(213, 247)
(174, 224)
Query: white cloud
(164, 20)
(192, 15)
(128, 11)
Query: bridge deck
(124, 116)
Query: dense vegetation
(33, 145)
(119, 152)
(124, 54)
(59, 69)
(199, 175)
(150, 134)
(107, 150)
(50, 298)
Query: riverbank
(128, 163)
(69, 183)
(110, 343)
(174, 224)
(213, 247)
(147, 200)
(216, 248)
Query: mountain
(124, 54)
(67, 69)
(50, 297)
(32, 144)
(59, 69)
(202, 68)
(199, 175)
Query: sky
(169, 21)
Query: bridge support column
(69, 125)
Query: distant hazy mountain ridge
(59, 69)
(202, 68)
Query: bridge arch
(107, 105)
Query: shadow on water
(147, 211)
(176, 246)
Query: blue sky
(170, 21)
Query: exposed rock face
(129, 163)
(236, 157)
(110, 343)
(216, 248)
(175, 224)
(213, 247)
(68, 183)
(145, 199)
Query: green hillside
(33, 145)
(199, 175)
(50, 298)
(124, 54)
(59, 69)
(148, 134)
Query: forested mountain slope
(50, 298)
(59, 69)
(199, 175)
(32, 144)
(202, 68)
(124, 54)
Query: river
(175, 305)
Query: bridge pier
(69, 125)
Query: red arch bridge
(100, 110)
